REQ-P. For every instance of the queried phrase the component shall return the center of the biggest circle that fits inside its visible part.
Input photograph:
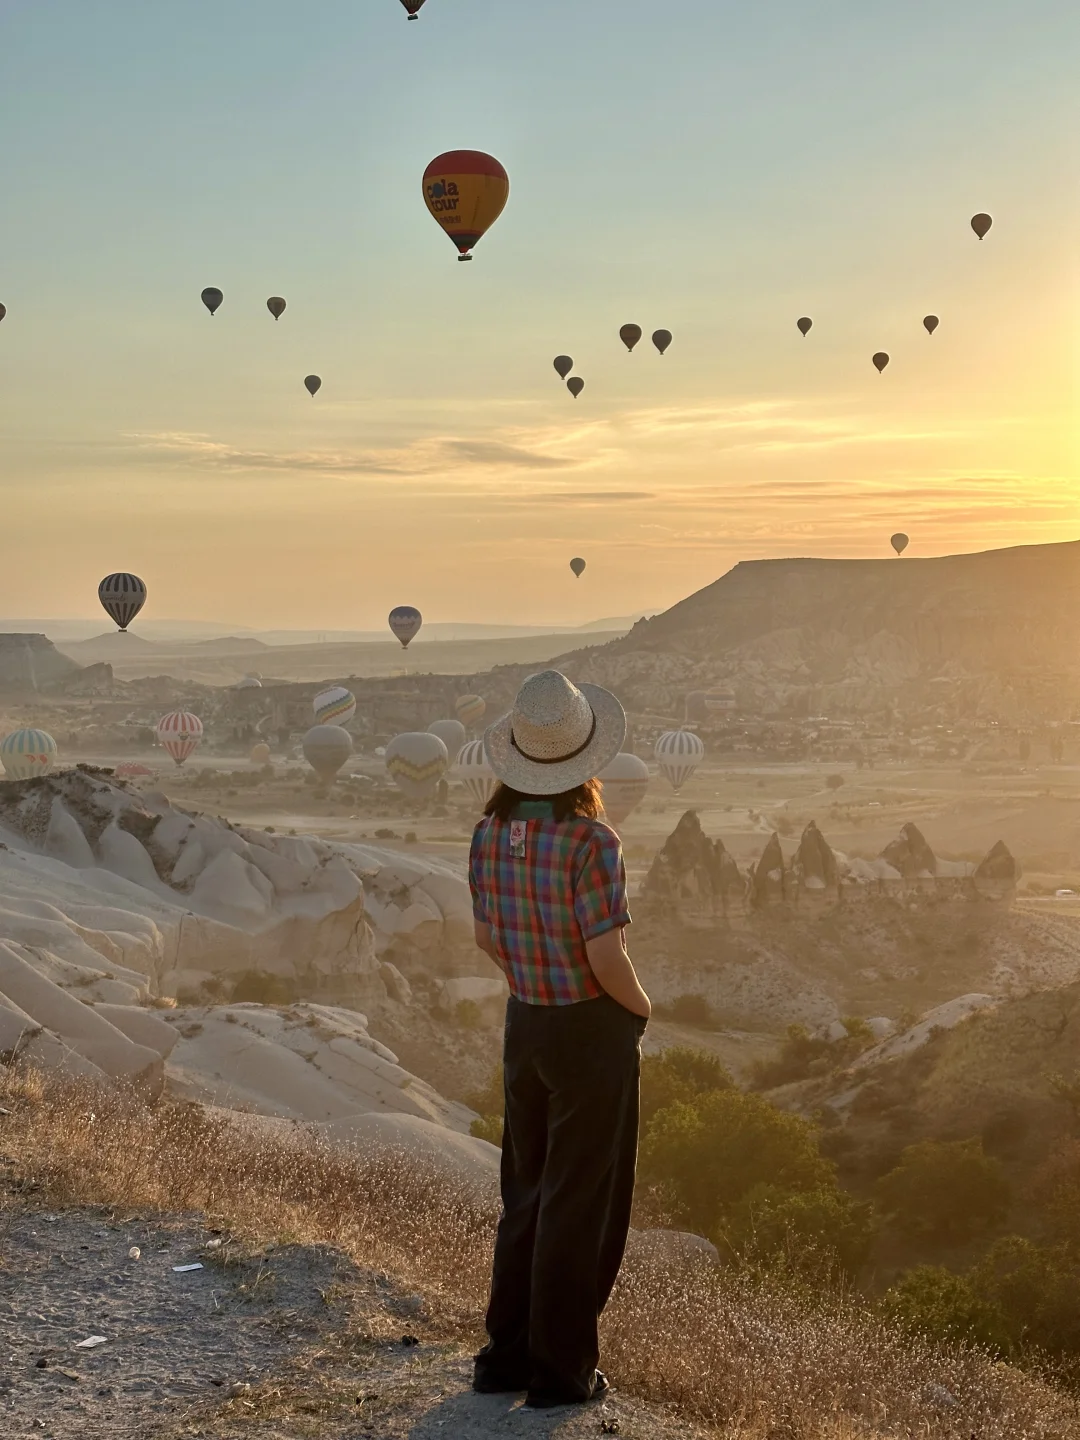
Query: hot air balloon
(260, 753)
(25, 753)
(417, 760)
(679, 753)
(661, 339)
(466, 191)
(405, 622)
(474, 772)
(470, 709)
(630, 335)
(180, 734)
(3, 311)
(981, 224)
(335, 706)
(276, 306)
(451, 733)
(249, 682)
(326, 748)
(577, 565)
(312, 384)
(563, 366)
(212, 298)
(413, 7)
(805, 325)
(122, 597)
(625, 781)
(880, 361)
(575, 385)
(899, 542)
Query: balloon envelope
(466, 192)
(405, 622)
(470, 709)
(805, 324)
(452, 733)
(413, 7)
(563, 366)
(661, 339)
(180, 734)
(981, 224)
(326, 748)
(276, 306)
(122, 596)
(577, 565)
(474, 772)
(880, 361)
(260, 754)
(212, 298)
(25, 753)
(575, 385)
(899, 542)
(630, 335)
(3, 311)
(312, 384)
(417, 761)
(679, 753)
(931, 322)
(334, 706)
(625, 781)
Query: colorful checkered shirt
(567, 887)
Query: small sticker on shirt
(518, 831)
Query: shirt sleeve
(479, 912)
(600, 902)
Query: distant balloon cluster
(628, 334)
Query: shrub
(810, 1230)
(932, 1301)
(947, 1189)
(489, 1128)
(679, 1076)
(834, 782)
(467, 1015)
(803, 1055)
(691, 1010)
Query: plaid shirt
(545, 887)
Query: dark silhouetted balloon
(577, 565)
(212, 298)
(122, 596)
(931, 322)
(575, 385)
(661, 339)
(313, 384)
(899, 542)
(981, 224)
(276, 306)
(805, 325)
(630, 335)
(3, 311)
(881, 360)
(413, 7)
(405, 622)
(563, 365)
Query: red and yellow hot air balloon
(466, 191)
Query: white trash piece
(92, 1342)
(183, 1269)
(134, 1253)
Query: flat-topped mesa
(694, 876)
(31, 663)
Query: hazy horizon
(713, 171)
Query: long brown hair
(584, 801)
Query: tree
(930, 1300)
(811, 1230)
(708, 1154)
(679, 1075)
(945, 1189)
(834, 782)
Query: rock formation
(694, 876)
(910, 856)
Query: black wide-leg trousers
(568, 1163)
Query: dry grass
(756, 1362)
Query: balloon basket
(463, 258)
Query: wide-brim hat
(557, 736)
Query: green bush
(489, 1128)
(679, 1075)
(691, 1010)
(948, 1190)
(810, 1230)
(803, 1055)
(467, 1015)
(488, 1100)
(930, 1300)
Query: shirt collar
(534, 810)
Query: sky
(715, 169)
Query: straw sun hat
(557, 736)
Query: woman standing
(549, 901)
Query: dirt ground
(286, 1342)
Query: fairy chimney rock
(813, 866)
(910, 854)
(767, 876)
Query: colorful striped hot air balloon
(26, 753)
(679, 753)
(335, 706)
(122, 596)
(417, 761)
(466, 192)
(180, 734)
(474, 772)
(625, 781)
(470, 710)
